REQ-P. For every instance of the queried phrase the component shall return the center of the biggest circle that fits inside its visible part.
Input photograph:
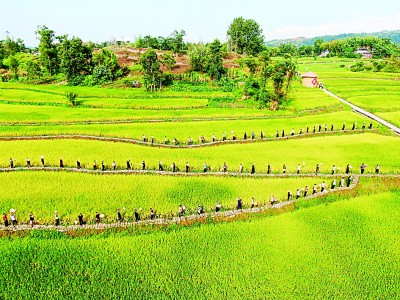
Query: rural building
(310, 80)
(324, 53)
(365, 52)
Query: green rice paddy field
(348, 249)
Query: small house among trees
(310, 80)
(366, 52)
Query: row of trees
(55, 55)
(381, 47)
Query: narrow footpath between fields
(177, 220)
(364, 112)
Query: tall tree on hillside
(213, 61)
(197, 56)
(75, 59)
(47, 49)
(177, 41)
(151, 69)
(245, 36)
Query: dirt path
(180, 145)
(365, 113)
(177, 220)
(184, 174)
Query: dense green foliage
(245, 36)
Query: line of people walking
(253, 135)
(206, 168)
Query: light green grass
(393, 117)
(348, 249)
(71, 193)
(182, 130)
(366, 148)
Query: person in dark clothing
(160, 166)
(347, 169)
(370, 125)
(80, 220)
(364, 126)
(224, 168)
(114, 166)
(56, 218)
(233, 136)
(343, 126)
(97, 218)
(28, 162)
(314, 130)
(332, 127)
(217, 207)
(363, 167)
(103, 166)
(354, 126)
(78, 164)
(152, 214)
(119, 216)
(239, 203)
(253, 135)
(95, 165)
(128, 164)
(325, 127)
(5, 219)
(283, 133)
(307, 129)
(42, 160)
(319, 128)
(137, 216)
(253, 168)
(152, 140)
(261, 135)
(245, 136)
(187, 167)
(204, 168)
(173, 167)
(61, 163)
(11, 163)
(143, 166)
(277, 133)
(377, 169)
(317, 169)
(289, 195)
(269, 169)
(31, 220)
(284, 169)
(349, 180)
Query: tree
(317, 46)
(177, 41)
(75, 59)
(151, 69)
(213, 61)
(168, 61)
(197, 56)
(47, 49)
(245, 36)
(106, 67)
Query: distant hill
(302, 41)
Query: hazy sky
(100, 20)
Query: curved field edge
(368, 148)
(346, 249)
(74, 193)
(183, 130)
